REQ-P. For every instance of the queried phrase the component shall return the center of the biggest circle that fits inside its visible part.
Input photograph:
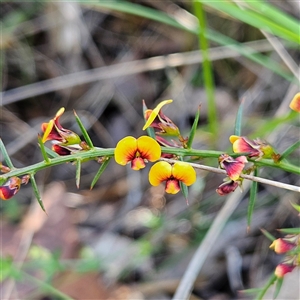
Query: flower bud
(281, 246)
(10, 188)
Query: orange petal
(184, 172)
(148, 148)
(138, 163)
(155, 112)
(295, 103)
(125, 150)
(172, 186)
(159, 172)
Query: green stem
(109, 152)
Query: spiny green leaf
(290, 230)
(43, 149)
(5, 155)
(78, 172)
(100, 171)
(238, 120)
(193, 129)
(36, 192)
(252, 198)
(272, 279)
(83, 131)
(185, 191)
(278, 287)
(268, 235)
(289, 150)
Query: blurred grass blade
(150, 130)
(238, 120)
(297, 207)
(100, 171)
(289, 150)
(36, 192)
(252, 199)
(277, 287)
(83, 131)
(290, 230)
(271, 281)
(193, 129)
(254, 19)
(43, 149)
(78, 172)
(207, 71)
(212, 35)
(5, 155)
(273, 13)
(268, 235)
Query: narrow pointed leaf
(43, 149)
(252, 198)
(100, 171)
(78, 172)
(289, 150)
(150, 130)
(290, 230)
(83, 131)
(278, 287)
(36, 192)
(185, 191)
(272, 279)
(5, 155)
(51, 153)
(193, 129)
(238, 120)
(268, 235)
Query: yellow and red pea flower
(284, 268)
(172, 174)
(156, 119)
(137, 151)
(10, 188)
(228, 187)
(295, 103)
(233, 166)
(283, 245)
(254, 148)
(55, 132)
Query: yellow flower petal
(295, 103)
(233, 138)
(125, 150)
(148, 148)
(48, 130)
(155, 112)
(60, 112)
(159, 172)
(184, 172)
